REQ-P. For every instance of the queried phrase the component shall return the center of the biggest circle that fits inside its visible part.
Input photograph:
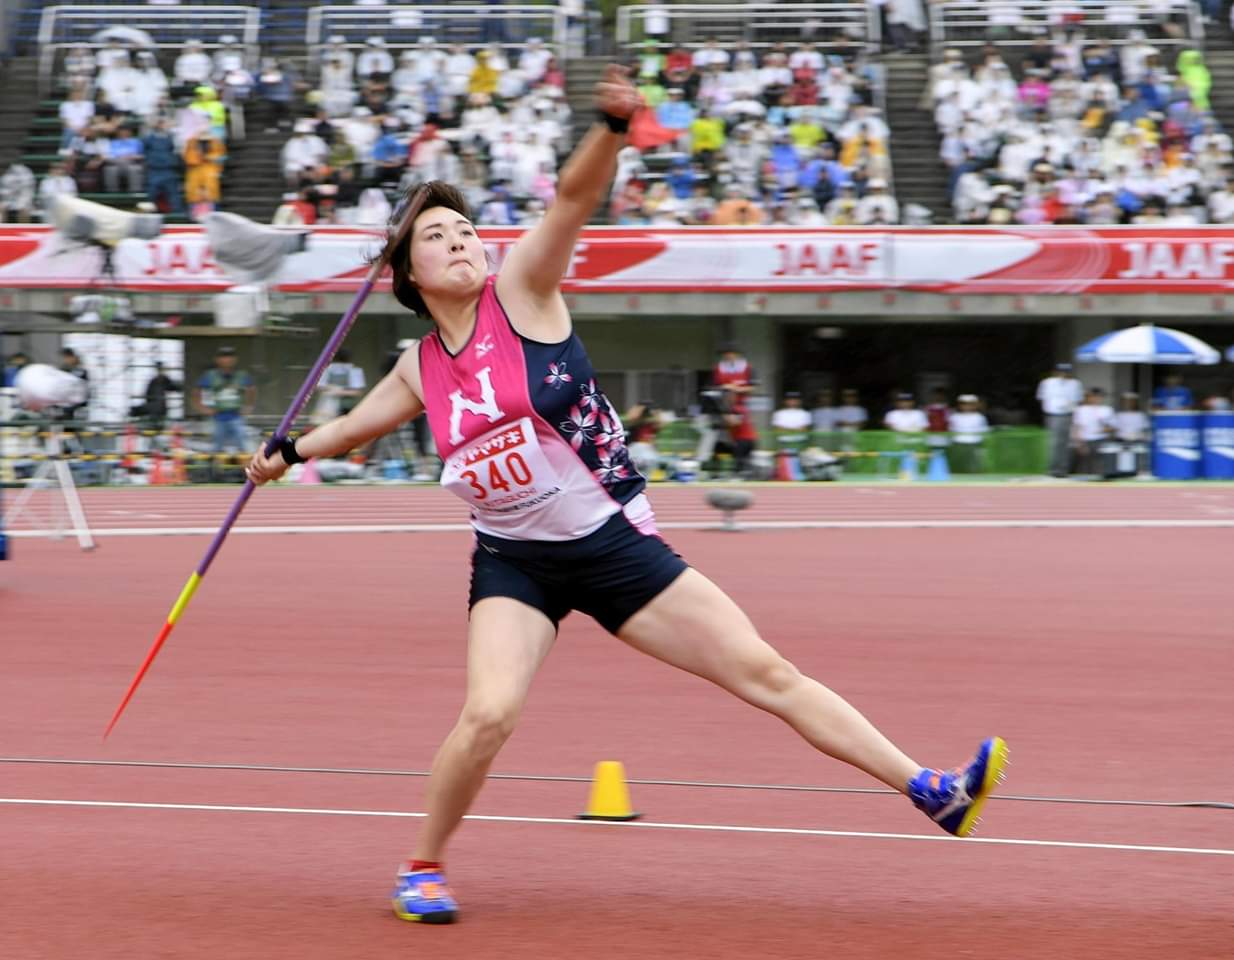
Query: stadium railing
(65, 27)
(759, 24)
(403, 26)
(973, 23)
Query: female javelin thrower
(561, 520)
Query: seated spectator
(113, 53)
(850, 415)
(228, 59)
(905, 417)
(336, 50)
(122, 171)
(17, 188)
(460, 65)
(375, 60)
(374, 209)
(338, 93)
(1130, 422)
(1173, 394)
(75, 113)
(56, 182)
(192, 68)
(303, 154)
(276, 88)
(88, 153)
(151, 87)
(675, 113)
(483, 78)
(389, 153)
(79, 68)
(121, 83)
(791, 423)
(737, 209)
(877, 206)
(296, 210)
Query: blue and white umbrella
(1147, 344)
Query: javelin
(396, 235)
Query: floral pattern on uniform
(557, 375)
(580, 427)
(594, 423)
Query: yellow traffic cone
(610, 798)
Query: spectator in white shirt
(192, 67)
(55, 183)
(806, 57)
(75, 114)
(1092, 422)
(904, 417)
(968, 426)
(534, 60)
(1059, 395)
(791, 423)
(459, 66)
(1130, 423)
(111, 54)
(229, 59)
(303, 153)
(337, 50)
(375, 59)
(877, 206)
(710, 52)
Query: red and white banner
(952, 260)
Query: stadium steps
(18, 108)
(581, 77)
(920, 175)
(1220, 62)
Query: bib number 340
(500, 474)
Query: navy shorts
(610, 574)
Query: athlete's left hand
(615, 94)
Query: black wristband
(287, 447)
(619, 125)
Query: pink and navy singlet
(527, 438)
(538, 452)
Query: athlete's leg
(507, 642)
(694, 625)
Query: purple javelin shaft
(310, 382)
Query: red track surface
(1103, 655)
(315, 506)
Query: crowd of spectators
(495, 122)
(757, 137)
(1089, 133)
(127, 126)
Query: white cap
(376, 41)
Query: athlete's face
(447, 257)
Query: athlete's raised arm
(532, 271)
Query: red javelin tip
(141, 672)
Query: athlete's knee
(765, 680)
(487, 726)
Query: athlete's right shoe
(423, 897)
(953, 799)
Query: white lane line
(670, 525)
(644, 824)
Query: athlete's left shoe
(953, 799)
(423, 897)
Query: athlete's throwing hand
(615, 94)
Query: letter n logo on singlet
(487, 407)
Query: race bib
(503, 472)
